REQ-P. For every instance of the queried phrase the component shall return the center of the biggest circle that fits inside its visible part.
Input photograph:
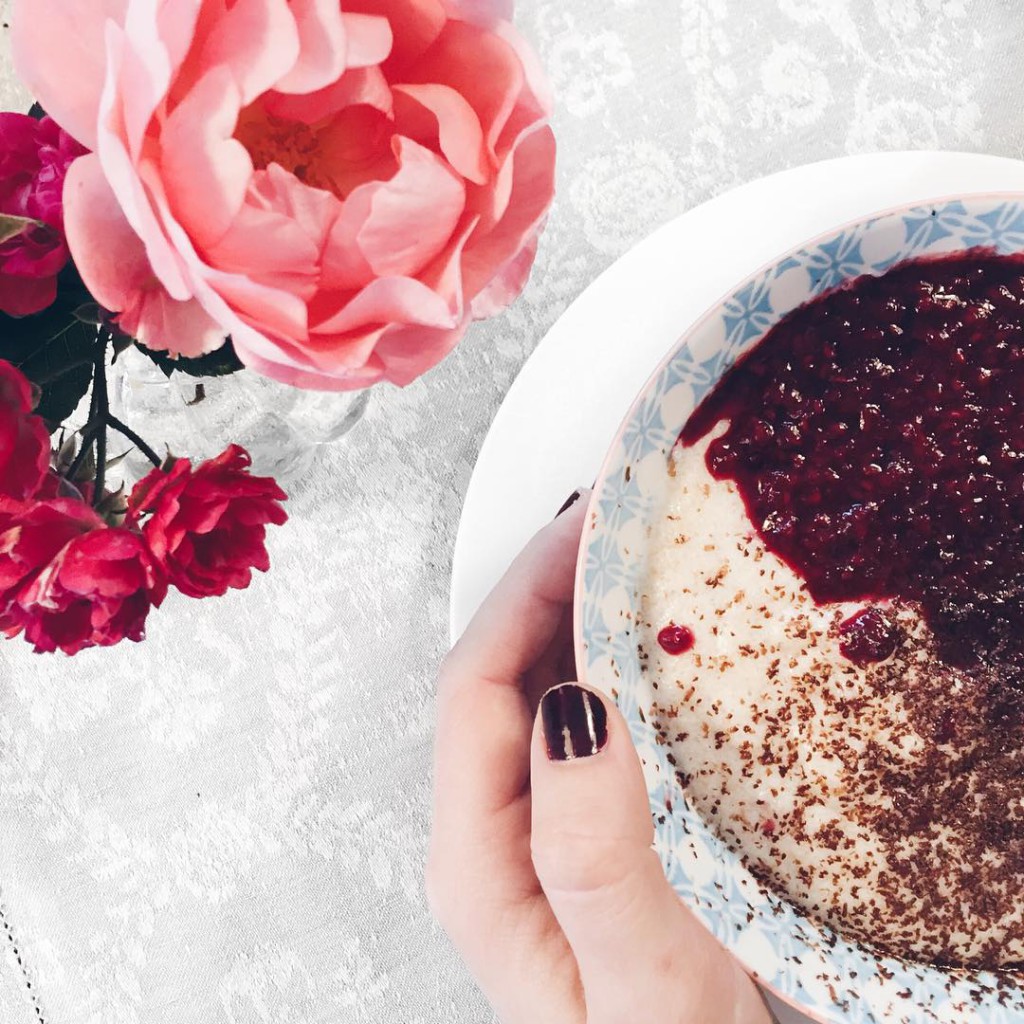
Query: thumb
(641, 954)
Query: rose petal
(205, 171)
(279, 234)
(443, 275)
(167, 325)
(257, 41)
(485, 13)
(228, 297)
(312, 209)
(146, 71)
(24, 453)
(177, 23)
(358, 148)
(540, 100)
(479, 66)
(233, 301)
(118, 273)
(273, 362)
(65, 67)
(438, 117)
(123, 176)
(507, 285)
(396, 226)
(34, 259)
(389, 300)
(15, 393)
(360, 86)
(23, 296)
(407, 351)
(389, 351)
(114, 271)
(532, 189)
(321, 47)
(104, 562)
(368, 39)
(415, 24)
(270, 249)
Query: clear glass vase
(280, 426)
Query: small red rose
(34, 161)
(95, 592)
(24, 442)
(32, 534)
(207, 525)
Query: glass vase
(280, 426)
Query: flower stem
(123, 428)
(102, 410)
(100, 420)
(88, 436)
(92, 425)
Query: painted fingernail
(575, 722)
(569, 502)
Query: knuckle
(576, 862)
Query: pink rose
(339, 185)
(34, 159)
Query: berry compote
(876, 435)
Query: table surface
(227, 823)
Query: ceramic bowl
(805, 963)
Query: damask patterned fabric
(227, 823)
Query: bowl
(807, 964)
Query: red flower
(82, 584)
(34, 160)
(24, 442)
(32, 534)
(207, 526)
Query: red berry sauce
(676, 639)
(868, 637)
(876, 435)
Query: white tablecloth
(227, 823)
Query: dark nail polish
(575, 722)
(569, 502)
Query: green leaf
(113, 507)
(90, 313)
(11, 226)
(119, 341)
(54, 350)
(66, 453)
(214, 364)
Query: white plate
(603, 348)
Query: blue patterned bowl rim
(806, 964)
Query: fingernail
(575, 722)
(569, 502)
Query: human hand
(541, 868)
